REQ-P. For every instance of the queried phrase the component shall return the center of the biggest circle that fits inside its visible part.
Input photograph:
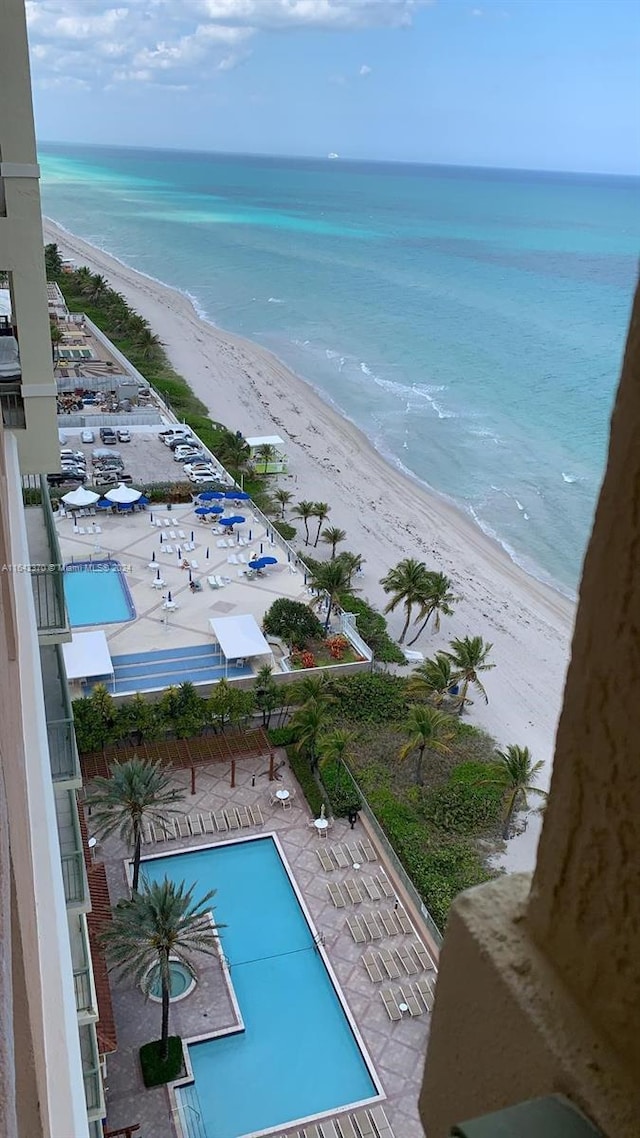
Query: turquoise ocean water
(471, 322)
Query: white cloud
(365, 70)
(179, 43)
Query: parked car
(188, 456)
(76, 455)
(181, 441)
(126, 478)
(108, 436)
(170, 433)
(199, 467)
(124, 436)
(101, 453)
(62, 438)
(64, 477)
(105, 478)
(87, 436)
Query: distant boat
(333, 155)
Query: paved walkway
(396, 1049)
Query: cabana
(239, 638)
(86, 656)
(273, 460)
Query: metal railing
(83, 991)
(93, 1089)
(63, 752)
(47, 581)
(12, 406)
(73, 877)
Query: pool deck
(131, 539)
(397, 1050)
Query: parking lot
(145, 458)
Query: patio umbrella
(161, 538)
(235, 520)
(124, 507)
(226, 521)
(269, 560)
(122, 494)
(103, 504)
(80, 497)
(215, 510)
(207, 496)
(207, 553)
(191, 535)
(255, 564)
(237, 495)
(202, 510)
(143, 501)
(158, 577)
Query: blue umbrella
(238, 495)
(226, 521)
(235, 520)
(207, 496)
(255, 564)
(215, 510)
(124, 506)
(201, 510)
(269, 560)
(103, 504)
(143, 501)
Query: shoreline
(387, 514)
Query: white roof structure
(87, 655)
(239, 637)
(123, 494)
(265, 441)
(80, 497)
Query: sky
(535, 84)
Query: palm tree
(333, 535)
(137, 791)
(283, 497)
(234, 452)
(335, 746)
(332, 578)
(266, 693)
(469, 656)
(515, 771)
(407, 583)
(437, 602)
(147, 343)
(96, 286)
(314, 689)
(265, 454)
(432, 679)
(161, 923)
(307, 722)
(352, 562)
(426, 727)
(305, 510)
(321, 512)
(55, 334)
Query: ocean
(470, 321)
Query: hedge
(157, 1071)
(341, 793)
(308, 784)
(369, 697)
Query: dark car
(108, 436)
(184, 440)
(66, 476)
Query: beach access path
(386, 515)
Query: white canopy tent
(87, 655)
(80, 497)
(239, 637)
(123, 494)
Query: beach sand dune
(386, 515)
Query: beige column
(539, 985)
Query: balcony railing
(12, 406)
(47, 579)
(91, 1068)
(73, 877)
(63, 752)
(83, 990)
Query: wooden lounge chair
(355, 928)
(390, 1004)
(148, 833)
(196, 825)
(335, 894)
(345, 1126)
(388, 921)
(232, 818)
(368, 850)
(169, 830)
(220, 821)
(385, 885)
(424, 990)
(372, 925)
(341, 859)
(371, 888)
(363, 1122)
(380, 1121)
(390, 964)
(325, 861)
(208, 824)
(403, 921)
(421, 955)
(409, 998)
(374, 972)
(353, 891)
(407, 960)
(244, 817)
(353, 853)
(184, 829)
(256, 814)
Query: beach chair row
(371, 1123)
(346, 855)
(210, 822)
(415, 999)
(354, 891)
(382, 922)
(394, 963)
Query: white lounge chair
(181, 534)
(172, 534)
(213, 582)
(194, 564)
(221, 543)
(232, 559)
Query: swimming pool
(97, 593)
(298, 1055)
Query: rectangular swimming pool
(298, 1055)
(97, 593)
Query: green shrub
(293, 621)
(465, 804)
(282, 736)
(369, 697)
(340, 789)
(310, 789)
(287, 531)
(372, 627)
(156, 1071)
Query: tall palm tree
(432, 679)
(96, 287)
(515, 771)
(160, 923)
(468, 657)
(314, 689)
(407, 583)
(266, 693)
(438, 601)
(137, 791)
(335, 746)
(147, 343)
(352, 562)
(283, 497)
(321, 512)
(305, 510)
(426, 727)
(333, 535)
(332, 578)
(307, 723)
(265, 454)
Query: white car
(199, 467)
(73, 455)
(87, 436)
(187, 455)
(200, 479)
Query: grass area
(157, 1071)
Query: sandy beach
(386, 515)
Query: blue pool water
(297, 1055)
(96, 593)
(146, 671)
